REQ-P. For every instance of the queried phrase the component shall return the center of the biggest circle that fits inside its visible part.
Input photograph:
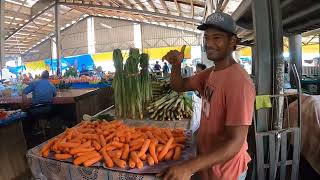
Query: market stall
(13, 146)
(79, 99)
(50, 167)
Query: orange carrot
(92, 160)
(62, 156)
(128, 138)
(47, 146)
(46, 153)
(180, 140)
(99, 131)
(165, 149)
(85, 145)
(107, 159)
(136, 147)
(150, 160)
(116, 144)
(177, 153)
(159, 148)
(169, 155)
(109, 137)
(122, 139)
(96, 145)
(118, 153)
(81, 159)
(136, 159)
(152, 150)
(144, 147)
(168, 133)
(136, 142)
(120, 163)
(125, 152)
(110, 148)
(143, 157)
(102, 140)
(78, 150)
(132, 164)
(117, 139)
(160, 139)
(150, 135)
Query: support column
(58, 37)
(137, 37)
(91, 36)
(269, 59)
(295, 52)
(2, 34)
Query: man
(165, 68)
(42, 90)
(84, 71)
(157, 66)
(227, 106)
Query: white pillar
(91, 36)
(53, 48)
(137, 36)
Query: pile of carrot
(116, 144)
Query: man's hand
(175, 57)
(178, 172)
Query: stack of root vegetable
(116, 144)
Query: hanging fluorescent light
(106, 26)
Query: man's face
(218, 44)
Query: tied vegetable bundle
(170, 107)
(131, 84)
(116, 144)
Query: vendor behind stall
(227, 106)
(42, 90)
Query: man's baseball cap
(219, 20)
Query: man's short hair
(45, 75)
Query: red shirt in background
(228, 99)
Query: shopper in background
(157, 66)
(200, 67)
(165, 68)
(84, 71)
(42, 90)
(227, 106)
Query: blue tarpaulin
(76, 61)
(16, 70)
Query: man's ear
(234, 40)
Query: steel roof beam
(242, 8)
(301, 14)
(179, 18)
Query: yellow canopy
(36, 65)
(158, 53)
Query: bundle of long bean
(146, 91)
(118, 84)
(172, 106)
(132, 85)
